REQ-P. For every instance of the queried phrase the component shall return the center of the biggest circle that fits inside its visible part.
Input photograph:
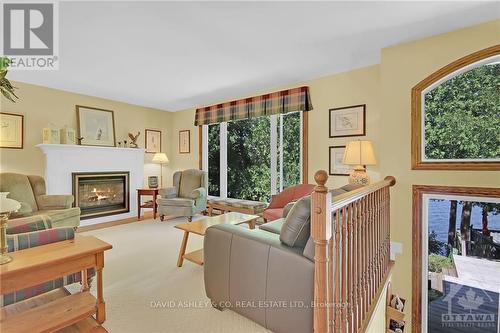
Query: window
(456, 115)
(254, 158)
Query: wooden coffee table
(200, 227)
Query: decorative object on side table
(359, 153)
(153, 181)
(11, 130)
(152, 141)
(133, 140)
(160, 158)
(184, 142)
(97, 126)
(7, 206)
(348, 121)
(336, 158)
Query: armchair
(33, 231)
(187, 197)
(30, 191)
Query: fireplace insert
(101, 193)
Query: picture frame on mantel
(347, 121)
(96, 126)
(12, 130)
(184, 141)
(152, 141)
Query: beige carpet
(140, 273)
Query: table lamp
(7, 206)
(160, 158)
(359, 153)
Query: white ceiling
(177, 55)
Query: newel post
(321, 232)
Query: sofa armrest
(29, 224)
(50, 202)
(168, 192)
(199, 192)
(37, 238)
(243, 266)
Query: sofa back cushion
(296, 228)
(19, 187)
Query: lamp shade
(8, 205)
(160, 158)
(360, 153)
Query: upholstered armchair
(187, 197)
(34, 231)
(30, 191)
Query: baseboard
(146, 215)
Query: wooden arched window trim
(416, 116)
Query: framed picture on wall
(152, 141)
(337, 167)
(184, 142)
(96, 126)
(11, 130)
(348, 121)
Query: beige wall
(43, 107)
(385, 88)
(402, 67)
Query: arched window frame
(417, 111)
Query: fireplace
(101, 193)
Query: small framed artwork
(152, 141)
(348, 121)
(337, 167)
(184, 142)
(96, 126)
(11, 130)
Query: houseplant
(5, 86)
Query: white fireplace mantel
(63, 160)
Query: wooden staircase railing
(352, 253)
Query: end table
(150, 204)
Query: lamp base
(359, 177)
(5, 259)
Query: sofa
(275, 209)
(187, 197)
(30, 191)
(34, 231)
(267, 274)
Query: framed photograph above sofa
(337, 167)
(12, 130)
(348, 121)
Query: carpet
(145, 291)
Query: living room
(225, 145)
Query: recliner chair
(187, 197)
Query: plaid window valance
(296, 99)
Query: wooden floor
(87, 325)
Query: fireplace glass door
(102, 193)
